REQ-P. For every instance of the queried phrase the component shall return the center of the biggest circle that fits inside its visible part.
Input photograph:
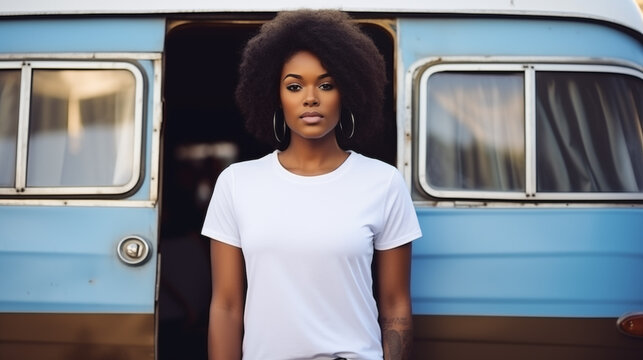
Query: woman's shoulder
(374, 167)
(253, 165)
(372, 163)
(242, 171)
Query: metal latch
(133, 250)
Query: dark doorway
(202, 134)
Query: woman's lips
(311, 117)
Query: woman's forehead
(303, 61)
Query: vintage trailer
(516, 123)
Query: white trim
(85, 203)
(23, 132)
(426, 67)
(609, 68)
(419, 204)
(624, 12)
(404, 117)
(81, 56)
(587, 196)
(424, 63)
(157, 119)
(11, 65)
(530, 131)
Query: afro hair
(348, 54)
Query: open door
(203, 134)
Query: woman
(295, 232)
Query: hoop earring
(274, 128)
(341, 127)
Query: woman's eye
(293, 87)
(326, 86)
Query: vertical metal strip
(404, 113)
(157, 119)
(23, 128)
(530, 131)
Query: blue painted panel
(82, 35)
(421, 38)
(63, 259)
(529, 262)
(524, 262)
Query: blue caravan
(517, 125)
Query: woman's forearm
(225, 331)
(397, 336)
(225, 334)
(394, 302)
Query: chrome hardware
(133, 250)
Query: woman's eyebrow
(292, 75)
(299, 77)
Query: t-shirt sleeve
(400, 223)
(220, 220)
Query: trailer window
(531, 131)
(81, 128)
(70, 127)
(475, 127)
(589, 132)
(9, 104)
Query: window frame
(14, 65)
(26, 67)
(427, 67)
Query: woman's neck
(309, 158)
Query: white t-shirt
(308, 245)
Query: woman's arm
(394, 301)
(226, 307)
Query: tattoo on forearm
(397, 338)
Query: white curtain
(475, 131)
(589, 132)
(9, 105)
(81, 128)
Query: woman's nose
(311, 99)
